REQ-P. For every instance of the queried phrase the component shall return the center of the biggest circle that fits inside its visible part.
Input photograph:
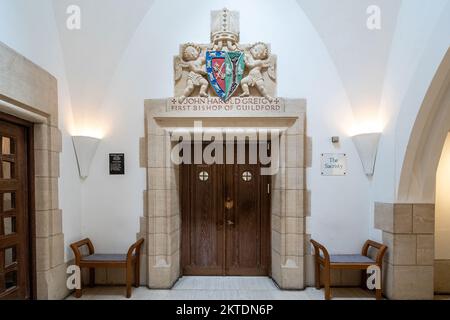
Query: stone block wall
(408, 231)
(442, 276)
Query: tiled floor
(222, 288)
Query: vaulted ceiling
(360, 55)
(92, 53)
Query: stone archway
(409, 224)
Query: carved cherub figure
(195, 62)
(256, 59)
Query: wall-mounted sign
(116, 163)
(334, 164)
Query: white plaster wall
(29, 28)
(442, 224)
(305, 70)
(112, 205)
(419, 45)
(108, 208)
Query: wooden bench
(130, 262)
(346, 261)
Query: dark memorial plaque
(116, 163)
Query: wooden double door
(15, 230)
(225, 219)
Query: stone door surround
(30, 93)
(161, 223)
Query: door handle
(230, 223)
(229, 204)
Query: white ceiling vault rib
(92, 53)
(361, 55)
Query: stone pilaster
(162, 209)
(408, 231)
(288, 209)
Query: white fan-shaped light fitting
(367, 146)
(85, 148)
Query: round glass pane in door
(203, 176)
(247, 176)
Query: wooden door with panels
(225, 218)
(15, 231)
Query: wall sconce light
(367, 146)
(85, 148)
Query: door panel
(14, 223)
(225, 220)
(202, 245)
(244, 235)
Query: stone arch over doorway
(408, 225)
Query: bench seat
(130, 262)
(351, 258)
(105, 258)
(326, 261)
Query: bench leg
(327, 283)
(92, 277)
(79, 292)
(364, 279)
(137, 273)
(378, 294)
(317, 275)
(129, 280)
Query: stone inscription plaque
(257, 105)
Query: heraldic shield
(225, 71)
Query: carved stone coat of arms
(225, 68)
